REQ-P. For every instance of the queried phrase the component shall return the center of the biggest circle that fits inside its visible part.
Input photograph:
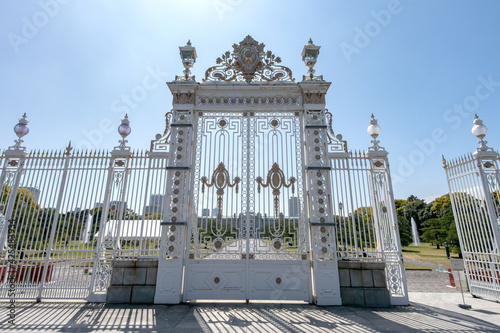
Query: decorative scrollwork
(220, 179)
(248, 63)
(118, 178)
(183, 98)
(248, 101)
(103, 275)
(314, 98)
(276, 179)
(161, 142)
(334, 141)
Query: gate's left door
(217, 263)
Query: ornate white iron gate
(474, 183)
(249, 175)
(251, 206)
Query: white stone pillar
(321, 221)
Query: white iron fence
(363, 204)
(473, 182)
(53, 207)
(64, 216)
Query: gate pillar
(174, 231)
(385, 219)
(321, 221)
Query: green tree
(405, 232)
(441, 206)
(435, 231)
(418, 209)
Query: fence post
(55, 221)
(118, 165)
(322, 224)
(102, 226)
(15, 156)
(489, 160)
(384, 213)
(175, 241)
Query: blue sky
(422, 67)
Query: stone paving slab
(428, 312)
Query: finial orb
(21, 128)
(479, 130)
(124, 128)
(373, 128)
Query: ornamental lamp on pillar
(479, 130)
(374, 131)
(124, 130)
(21, 129)
(188, 57)
(310, 54)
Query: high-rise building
(155, 204)
(293, 207)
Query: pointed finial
(126, 115)
(444, 162)
(310, 41)
(373, 117)
(69, 148)
(189, 42)
(24, 115)
(476, 116)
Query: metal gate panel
(279, 267)
(474, 187)
(33, 186)
(216, 279)
(218, 237)
(217, 227)
(278, 227)
(279, 280)
(72, 245)
(248, 224)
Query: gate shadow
(258, 317)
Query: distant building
(155, 204)
(117, 204)
(293, 207)
(205, 212)
(112, 205)
(215, 212)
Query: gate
(474, 184)
(247, 195)
(247, 231)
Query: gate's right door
(278, 262)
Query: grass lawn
(427, 253)
(412, 266)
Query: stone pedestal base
(133, 282)
(363, 284)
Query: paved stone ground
(435, 310)
(431, 281)
(428, 312)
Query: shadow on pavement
(94, 317)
